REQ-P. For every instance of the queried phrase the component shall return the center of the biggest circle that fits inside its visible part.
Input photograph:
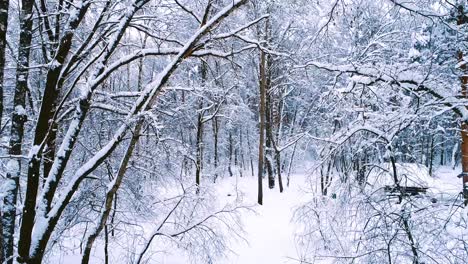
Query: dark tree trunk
(261, 132)
(106, 245)
(215, 158)
(250, 155)
(269, 141)
(230, 154)
(278, 170)
(17, 130)
(461, 19)
(4, 5)
(277, 118)
(291, 160)
(199, 146)
(442, 154)
(241, 153)
(1, 238)
(200, 122)
(431, 156)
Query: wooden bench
(405, 190)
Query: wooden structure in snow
(405, 190)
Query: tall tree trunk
(431, 156)
(442, 154)
(230, 155)
(19, 117)
(461, 19)
(106, 245)
(278, 170)
(1, 238)
(261, 132)
(454, 156)
(4, 5)
(269, 139)
(200, 122)
(277, 125)
(250, 154)
(291, 160)
(241, 154)
(199, 144)
(215, 151)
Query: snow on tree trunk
(4, 5)
(18, 119)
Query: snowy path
(270, 232)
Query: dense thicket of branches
(120, 116)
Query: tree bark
(4, 5)
(278, 170)
(199, 144)
(200, 123)
(461, 19)
(215, 151)
(261, 132)
(250, 155)
(230, 155)
(269, 136)
(19, 118)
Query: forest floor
(269, 230)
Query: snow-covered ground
(270, 232)
(269, 235)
